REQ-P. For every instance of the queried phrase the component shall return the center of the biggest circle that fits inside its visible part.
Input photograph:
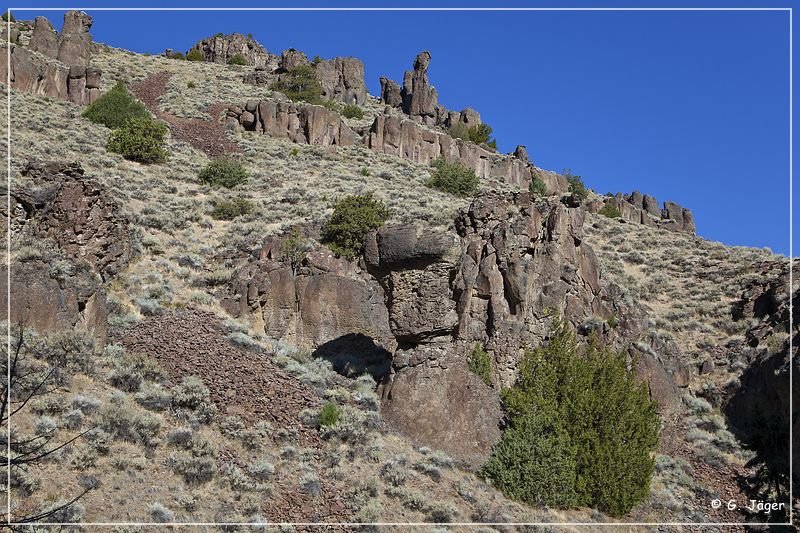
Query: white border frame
(789, 10)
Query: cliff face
(422, 299)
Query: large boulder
(447, 407)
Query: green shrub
(537, 186)
(177, 55)
(480, 364)
(237, 59)
(300, 84)
(353, 217)
(140, 139)
(459, 130)
(294, 249)
(329, 415)
(115, 107)
(482, 134)
(223, 172)
(352, 111)
(582, 431)
(230, 209)
(195, 55)
(8, 16)
(610, 211)
(191, 85)
(576, 185)
(454, 178)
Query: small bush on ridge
(454, 178)
(353, 217)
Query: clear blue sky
(691, 107)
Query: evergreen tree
(582, 431)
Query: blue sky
(691, 107)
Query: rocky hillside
(198, 358)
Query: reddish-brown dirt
(207, 135)
(242, 383)
(246, 384)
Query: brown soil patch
(248, 385)
(207, 135)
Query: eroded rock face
(221, 48)
(291, 59)
(399, 136)
(77, 214)
(325, 304)
(342, 79)
(75, 41)
(89, 242)
(513, 263)
(55, 65)
(644, 209)
(300, 123)
(48, 299)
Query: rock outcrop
(325, 305)
(221, 48)
(89, 242)
(55, 65)
(418, 96)
(342, 79)
(758, 404)
(427, 297)
(77, 214)
(300, 123)
(644, 209)
(402, 137)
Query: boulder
(449, 409)
(291, 59)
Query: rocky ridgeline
(341, 78)
(53, 64)
(645, 209)
(221, 48)
(89, 242)
(421, 299)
